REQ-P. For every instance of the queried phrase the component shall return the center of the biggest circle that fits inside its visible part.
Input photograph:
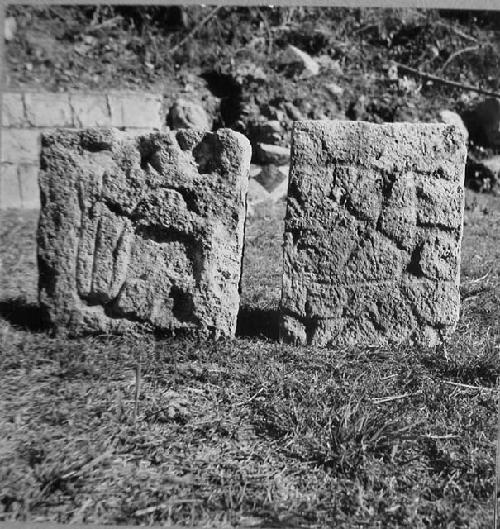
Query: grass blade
(137, 389)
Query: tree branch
(457, 54)
(196, 28)
(440, 80)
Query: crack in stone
(108, 106)
(121, 247)
(190, 198)
(78, 239)
(438, 225)
(372, 317)
(117, 209)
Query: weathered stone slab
(142, 233)
(372, 233)
(186, 114)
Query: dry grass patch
(248, 431)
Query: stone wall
(26, 115)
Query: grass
(250, 432)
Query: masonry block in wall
(47, 109)
(28, 182)
(13, 111)
(20, 146)
(372, 233)
(140, 111)
(10, 190)
(90, 110)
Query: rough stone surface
(142, 233)
(185, 114)
(372, 233)
(452, 118)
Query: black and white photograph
(249, 266)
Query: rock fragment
(299, 62)
(185, 114)
(272, 154)
(271, 177)
(452, 118)
(10, 28)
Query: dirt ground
(234, 53)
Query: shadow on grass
(479, 367)
(22, 314)
(254, 322)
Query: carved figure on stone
(142, 233)
(372, 233)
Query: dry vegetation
(250, 432)
(120, 47)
